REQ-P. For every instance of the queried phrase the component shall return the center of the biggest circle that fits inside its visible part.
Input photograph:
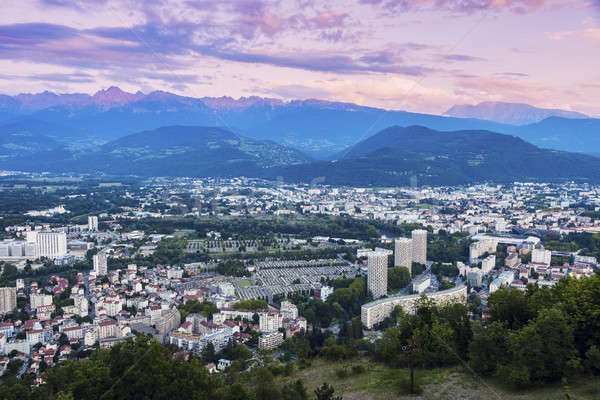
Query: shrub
(358, 369)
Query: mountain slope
(509, 113)
(318, 128)
(578, 135)
(167, 151)
(397, 155)
(17, 139)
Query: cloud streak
(110, 47)
(462, 6)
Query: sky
(414, 55)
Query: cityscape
(256, 285)
(300, 200)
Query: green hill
(168, 151)
(398, 156)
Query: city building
(49, 244)
(168, 321)
(270, 321)
(324, 292)
(93, 223)
(504, 279)
(8, 299)
(39, 300)
(488, 264)
(421, 283)
(288, 310)
(539, 255)
(376, 311)
(474, 277)
(270, 341)
(479, 248)
(100, 264)
(377, 273)
(419, 249)
(403, 253)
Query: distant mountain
(509, 113)
(316, 127)
(319, 128)
(17, 139)
(577, 135)
(167, 151)
(398, 156)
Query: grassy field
(380, 382)
(244, 282)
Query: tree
(63, 339)
(511, 307)
(325, 392)
(208, 353)
(398, 278)
(241, 352)
(13, 367)
(236, 392)
(64, 396)
(251, 304)
(489, 348)
(266, 388)
(294, 391)
(544, 350)
(592, 359)
(205, 308)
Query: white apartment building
(39, 300)
(112, 307)
(48, 244)
(539, 255)
(474, 277)
(226, 289)
(377, 273)
(100, 264)
(8, 299)
(504, 279)
(81, 304)
(288, 310)
(270, 321)
(376, 311)
(419, 285)
(107, 328)
(488, 264)
(270, 341)
(17, 249)
(93, 223)
(479, 248)
(419, 249)
(403, 253)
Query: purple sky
(416, 55)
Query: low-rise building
(270, 341)
(376, 311)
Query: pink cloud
(464, 6)
(327, 19)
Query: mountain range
(320, 129)
(393, 157)
(509, 113)
(166, 151)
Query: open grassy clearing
(380, 382)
